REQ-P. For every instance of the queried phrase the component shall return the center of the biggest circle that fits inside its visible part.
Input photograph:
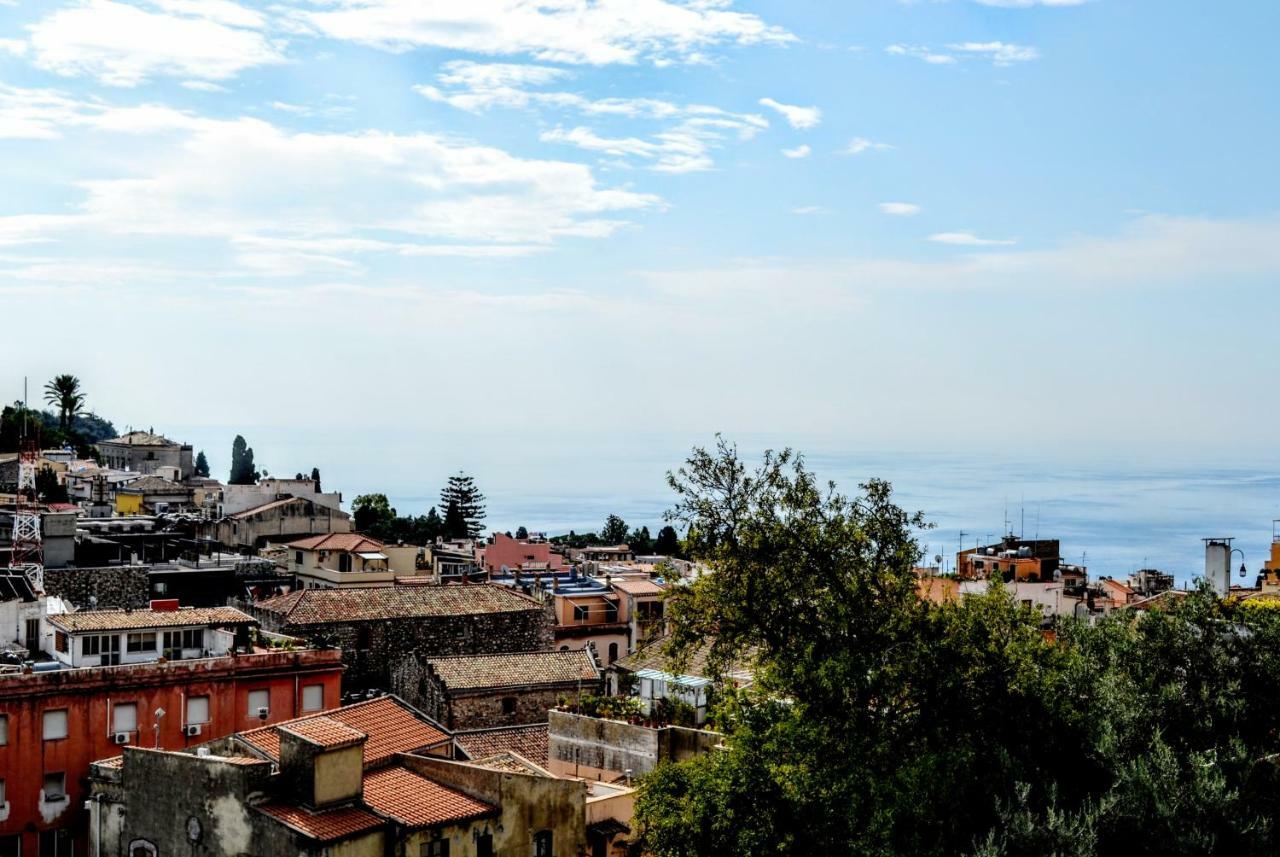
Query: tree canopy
(243, 471)
(63, 392)
(614, 531)
(883, 724)
(202, 464)
(461, 491)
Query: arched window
(142, 848)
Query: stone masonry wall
(125, 586)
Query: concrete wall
(529, 804)
(592, 746)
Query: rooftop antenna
(1037, 522)
(1022, 525)
(1008, 531)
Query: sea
(1112, 513)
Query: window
(344, 562)
(611, 613)
(197, 709)
(508, 705)
(124, 717)
(161, 587)
(55, 724)
(143, 642)
(55, 787)
(484, 845)
(258, 699)
(4, 729)
(55, 843)
(313, 697)
(61, 642)
(581, 612)
(613, 652)
(297, 557)
(542, 843)
(436, 848)
(2, 797)
(192, 638)
(142, 848)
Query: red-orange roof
(337, 542)
(325, 732)
(366, 604)
(391, 725)
(416, 801)
(325, 825)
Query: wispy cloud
(968, 239)
(797, 117)
(998, 53)
(810, 209)
(900, 209)
(858, 145)
(801, 151)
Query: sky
(987, 224)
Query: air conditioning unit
(120, 737)
(192, 729)
(262, 713)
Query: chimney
(322, 762)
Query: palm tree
(63, 392)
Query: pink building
(518, 554)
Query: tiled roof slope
(416, 801)
(354, 604)
(529, 741)
(325, 732)
(326, 825)
(514, 669)
(337, 542)
(392, 727)
(125, 620)
(652, 656)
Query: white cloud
(900, 209)
(283, 202)
(17, 47)
(968, 239)
(203, 86)
(801, 151)
(858, 145)
(123, 45)
(567, 31)
(810, 209)
(797, 117)
(1000, 53)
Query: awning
(372, 555)
(691, 681)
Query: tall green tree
(315, 477)
(202, 464)
(640, 541)
(373, 515)
(462, 492)
(614, 531)
(455, 525)
(668, 542)
(63, 392)
(243, 471)
(521, 532)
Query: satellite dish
(937, 557)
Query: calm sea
(1114, 515)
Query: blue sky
(1006, 223)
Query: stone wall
(373, 650)
(591, 745)
(125, 586)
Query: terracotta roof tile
(325, 825)
(529, 741)
(416, 801)
(354, 604)
(325, 732)
(125, 620)
(391, 725)
(337, 542)
(514, 669)
(512, 763)
(638, 587)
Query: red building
(506, 553)
(54, 724)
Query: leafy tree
(461, 491)
(202, 464)
(63, 392)
(640, 541)
(48, 488)
(668, 542)
(455, 525)
(433, 526)
(614, 531)
(522, 533)
(243, 471)
(373, 515)
(315, 477)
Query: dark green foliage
(615, 531)
(455, 525)
(63, 392)
(315, 477)
(640, 542)
(910, 728)
(48, 489)
(202, 464)
(243, 471)
(373, 515)
(668, 542)
(461, 491)
(522, 533)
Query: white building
(94, 638)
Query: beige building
(278, 521)
(144, 452)
(338, 560)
